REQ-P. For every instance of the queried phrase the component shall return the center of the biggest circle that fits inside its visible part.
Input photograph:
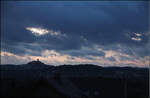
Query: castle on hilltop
(35, 62)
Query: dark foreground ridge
(76, 81)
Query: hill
(84, 80)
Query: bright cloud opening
(138, 34)
(109, 54)
(136, 39)
(40, 31)
(37, 31)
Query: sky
(104, 33)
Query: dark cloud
(85, 53)
(105, 24)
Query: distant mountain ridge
(82, 70)
(83, 80)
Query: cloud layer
(55, 58)
(90, 32)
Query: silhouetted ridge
(73, 81)
(36, 62)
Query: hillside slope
(88, 81)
